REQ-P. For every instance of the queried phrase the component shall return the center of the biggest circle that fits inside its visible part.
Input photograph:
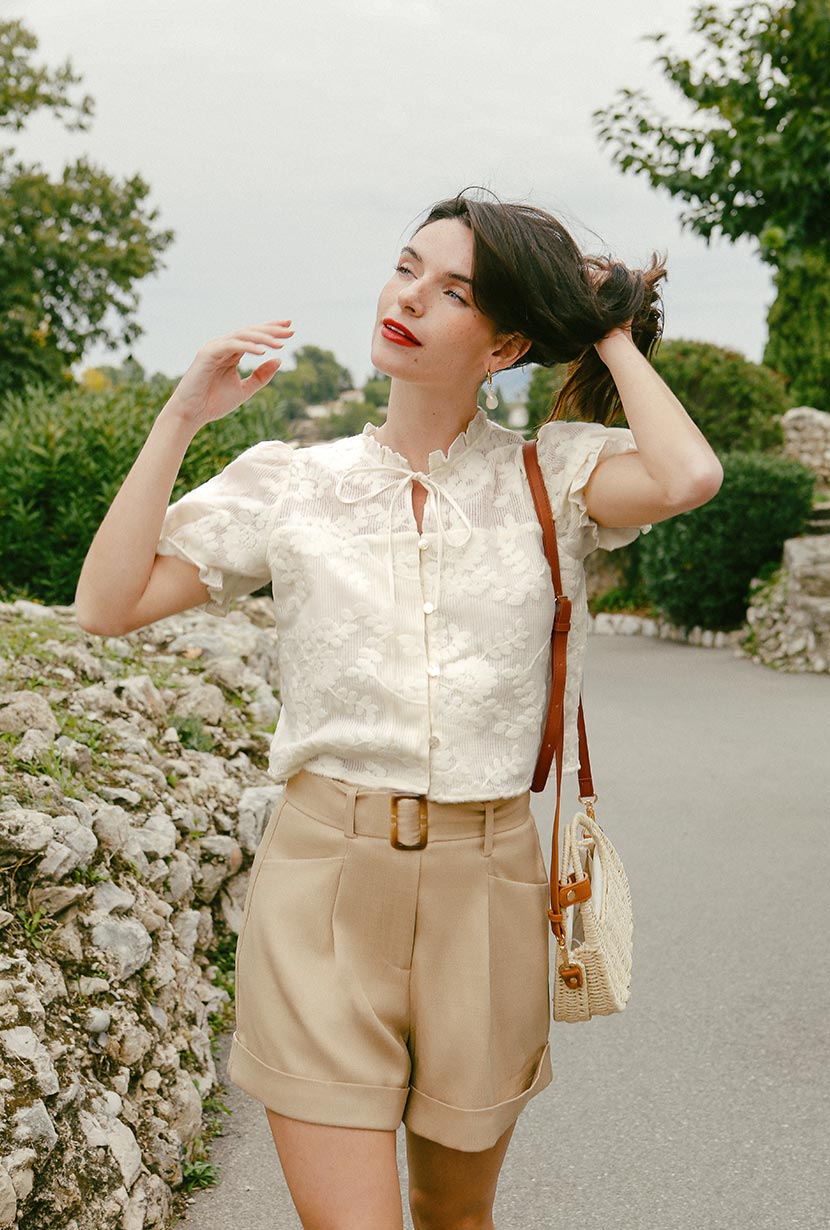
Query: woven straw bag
(598, 932)
(590, 911)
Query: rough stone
(31, 1125)
(8, 1199)
(124, 945)
(158, 840)
(788, 618)
(24, 711)
(807, 439)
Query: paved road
(706, 1104)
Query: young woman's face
(430, 295)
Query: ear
(511, 349)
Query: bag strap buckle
(571, 976)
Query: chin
(383, 360)
(379, 365)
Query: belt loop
(489, 808)
(349, 808)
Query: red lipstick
(393, 331)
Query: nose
(409, 296)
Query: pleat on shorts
(377, 985)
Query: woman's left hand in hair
(623, 330)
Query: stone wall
(788, 620)
(133, 794)
(807, 438)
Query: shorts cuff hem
(301, 1097)
(472, 1130)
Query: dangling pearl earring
(491, 401)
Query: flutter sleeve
(223, 526)
(568, 454)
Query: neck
(421, 418)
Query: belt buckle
(422, 820)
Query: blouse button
(432, 669)
(428, 608)
(434, 740)
(422, 543)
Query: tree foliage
(376, 390)
(72, 248)
(754, 160)
(316, 378)
(757, 164)
(799, 328)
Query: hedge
(63, 458)
(697, 566)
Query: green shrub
(697, 566)
(737, 404)
(616, 600)
(63, 456)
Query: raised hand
(212, 386)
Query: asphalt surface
(706, 1104)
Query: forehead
(448, 242)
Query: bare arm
(120, 561)
(674, 468)
(123, 584)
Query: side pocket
(517, 856)
(261, 850)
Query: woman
(393, 959)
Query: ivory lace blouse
(413, 662)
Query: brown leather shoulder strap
(558, 634)
(554, 730)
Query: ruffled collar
(437, 458)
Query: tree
(72, 248)
(319, 377)
(376, 389)
(756, 162)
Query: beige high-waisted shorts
(377, 985)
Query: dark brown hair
(531, 279)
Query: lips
(397, 332)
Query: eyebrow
(456, 277)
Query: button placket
(433, 669)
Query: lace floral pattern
(419, 663)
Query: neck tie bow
(400, 485)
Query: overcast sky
(292, 146)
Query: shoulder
(278, 457)
(563, 438)
(267, 453)
(569, 451)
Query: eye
(406, 269)
(402, 269)
(458, 297)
